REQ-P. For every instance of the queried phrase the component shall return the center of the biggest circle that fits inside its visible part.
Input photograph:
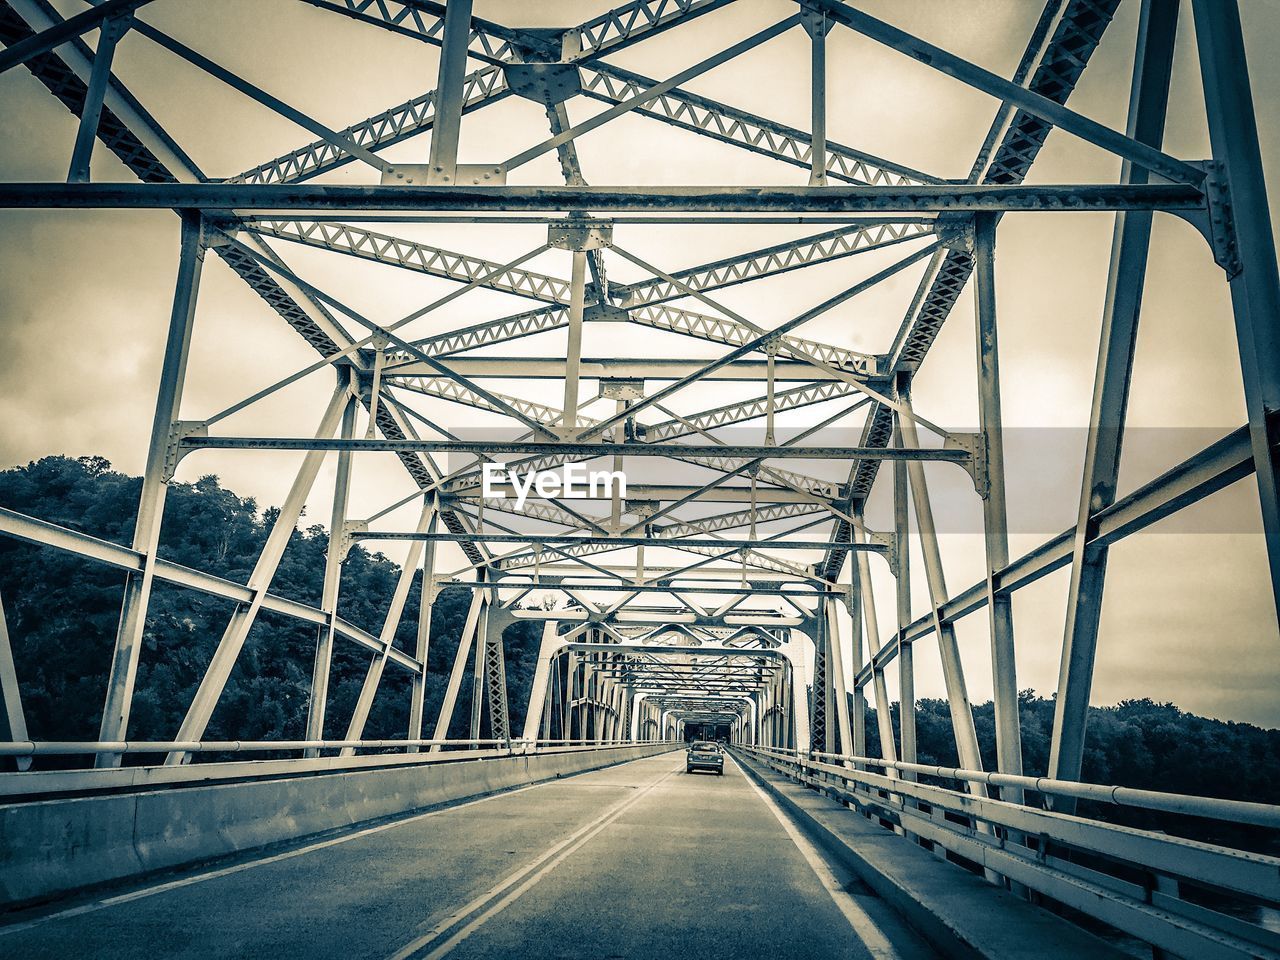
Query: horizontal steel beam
(755, 589)
(655, 571)
(301, 197)
(580, 449)
(599, 368)
(663, 492)
(653, 616)
(760, 653)
(619, 542)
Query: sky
(1188, 614)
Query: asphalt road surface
(638, 860)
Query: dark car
(704, 755)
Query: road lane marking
(864, 928)
(512, 887)
(187, 881)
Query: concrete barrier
(49, 848)
(961, 915)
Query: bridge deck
(640, 859)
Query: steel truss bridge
(710, 596)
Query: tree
(62, 614)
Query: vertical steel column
(995, 515)
(445, 717)
(820, 717)
(839, 685)
(13, 721)
(573, 349)
(426, 604)
(858, 711)
(1131, 237)
(1255, 285)
(113, 28)
(952, 669)
(570, 685)
(636, 733)
(800, 719)
(334, 557)
(237, 631)
(155, 485)
(817, 26)
(884, 720)
(387, 638)
(478, 671)
(450, 87)
(831, 731)
(906, 655)
(540, 688)
(496, 684)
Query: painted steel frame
(609, 671)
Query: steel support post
(443, 721)
(952, 669)
(478, 672)
(995, 516)
(570, 694)
(1255, 284)
(880, 693)
(573, 348)
(798, 724)
(820, 717)
(13, 721)
(390, 625)
(1126, 275)
(540, 689)
(496, 682)
(858, 709)
(830, 732)
(450, 89)
(616, 722)
(636, 733)
(155, 485)
(237, 630)
(334, 556)
(113, 28)
(817, 26)
(839, 686)
(418, 690)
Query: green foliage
(62, 615)
(1136, 743)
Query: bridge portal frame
(1222, 197)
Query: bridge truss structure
(686, 602)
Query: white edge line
(864, 927)
(238, 867)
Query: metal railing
(35, 748)
(1187, 897)
(39, 784)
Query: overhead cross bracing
(579, 250)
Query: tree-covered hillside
(62, 615)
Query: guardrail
(36, 784)
(30, 748)
(1189, 898)
(68, 830)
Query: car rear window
(703, 745)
